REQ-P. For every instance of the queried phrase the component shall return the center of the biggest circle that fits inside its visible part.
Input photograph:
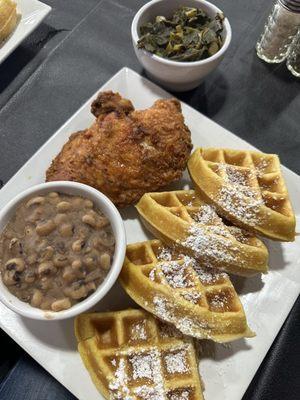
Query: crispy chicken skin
(126, 153)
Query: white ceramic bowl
(103, 204)
(175, 75)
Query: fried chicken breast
(126, 152)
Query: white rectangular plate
(226, 370)
(32, 13)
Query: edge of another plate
(31, 15)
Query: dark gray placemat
(28, 57)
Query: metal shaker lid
(292, 5)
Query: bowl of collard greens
(180, 42)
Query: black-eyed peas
(46, 268)
(15, 264)
(77, 291)
(106, 239)
(66, 230)
(53, 195)
(55, 251)
(61, 304)
(92, 276)
(45, 283)
(105, 260)
(77, 264)
(36, 298)
(31, 259)
(78, 245)
(89, 220)
(47, 253)
(35, 201)
(88, 204)
(63, 206)
(60, 260)
(45, 228)
(29, 276)
(11, 278)
(60, 219)
(68, 274)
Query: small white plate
(32, 13)
(226, 370)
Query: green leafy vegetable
(190, 35)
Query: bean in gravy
(55, 251)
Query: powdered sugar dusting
(138, 331)
(142, 372)
(148, 393)
(244, 203)
(177, 274)
(162, 309)
(152, 274)
(236, 176)
(207, 247)
(165, 311)
(119, 385)
(114, 362)
(144, 366)
(222, 301)
(165, 254)
(206, 215)
(238, 196)
(182, 395)
(262, 166)
(218, 302)
(190, 326)
(240, 234)
(169, 331)
(192, 296)
(209, 276)
(175, 362)
(188, 278)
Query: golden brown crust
(109, 101)
(126, 153)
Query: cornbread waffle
(8, 18)
(199, 302)
(183, 219)
(130, 355)
(247, 187)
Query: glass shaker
(282, 25)
(293, 59)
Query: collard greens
(190, 35)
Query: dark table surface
(81, 44)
